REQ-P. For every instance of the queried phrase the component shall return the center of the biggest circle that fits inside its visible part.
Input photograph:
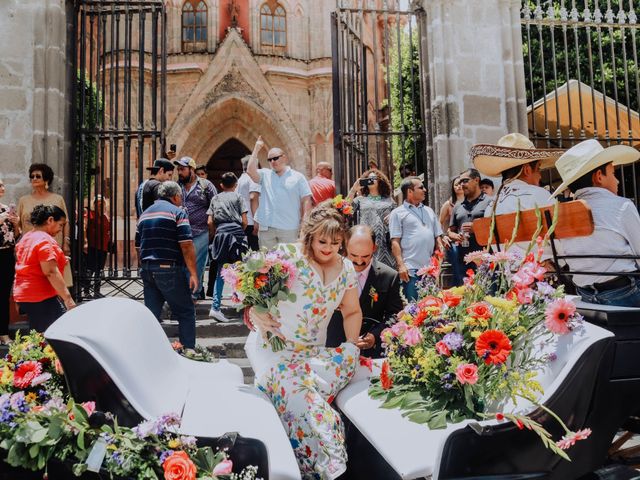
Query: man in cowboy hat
(519, 163)
(588, 170)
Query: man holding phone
(379, 288)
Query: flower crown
(342, 205)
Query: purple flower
(188, 441)
(453, 340)
(18, 402)
(164, 455)
(552, 357)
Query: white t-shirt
(244, 188)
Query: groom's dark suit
(386, 283)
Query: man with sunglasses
(415, 233)
(285, 197)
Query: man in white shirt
(520, 164)
(249, 191)
(285, 197)
(588, 170)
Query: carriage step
(209, 328)
(247, 371)
(224, 347)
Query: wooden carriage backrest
(574, 220)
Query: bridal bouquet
(261, 280)
(457, 354)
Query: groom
(379, 288)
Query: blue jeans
(217, 289)
(201, 244)
(410, 289)
(628, 296)
(44, 313)
(166, 281)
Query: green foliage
(87, 120)
(406, 114)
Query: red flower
(385, 376)
(179, 466)
(479, 310)
(25, 373)
(519, 424)
(260, 281)
(467, 373)
(419, 319)
(308, 450)
(430, 302)
(499, 416)
(450, 299)
(493, 346)
(366, 362)
(443, 349)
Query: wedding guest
(322, 185)
(9, 232)
(97, 244)
(285, 197)
(464, 213)
(201, 171)
(415, 234)
(166, 252)
(227, 221)
(197, 194)
(457, 195)
(303, 379)
(588, 170)
(249, 191)
(147, 192)
(41, 176)
(39, 287)
(486, 185)
(373, 207)
(379, 290)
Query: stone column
(476, 80)
(32, 90)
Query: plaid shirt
(197, 201)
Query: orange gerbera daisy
(493, 346)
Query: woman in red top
(39, 288)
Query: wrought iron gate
(119, 130)
(582, 78)
(379, 80)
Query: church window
(194, 26)
(273, 25)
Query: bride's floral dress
(303, 379)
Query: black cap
(161, 163)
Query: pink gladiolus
(223, 468)
(397, 329)
(467, 373)
(570, 439)
(412, 336)
(558, 314)
(524, 295)
(89, 407)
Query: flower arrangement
(199, 353)
(40, 423)
(343, 205)
(458, 353)
(261, 280)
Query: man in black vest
(379, 287)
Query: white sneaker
(219, 316)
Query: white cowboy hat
(512, 150)
(587, 156)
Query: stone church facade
(249, 68)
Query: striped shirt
(161, 229)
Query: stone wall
(477, 84)
(32, 91)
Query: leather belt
(616, 282)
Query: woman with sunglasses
(41, 176)
(372, 207)
(9, 231)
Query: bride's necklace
(375, 197)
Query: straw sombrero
(587, 156)
(512, 150)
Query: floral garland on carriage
(458, 353)
(39, 422)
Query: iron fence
(582, 79)
(119, 130)
(379, 76)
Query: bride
(303, 379)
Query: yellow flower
(502, 303)
(405, 317)
(7, 376)
(173, 444)
(30, 397)
(449, 327)
(476, 334)
(49, 353)
(458, 290)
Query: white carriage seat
(243, 409)
(418, 454)
(125, 338)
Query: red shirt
(98, 233)
(31, 283)
(322, 189)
